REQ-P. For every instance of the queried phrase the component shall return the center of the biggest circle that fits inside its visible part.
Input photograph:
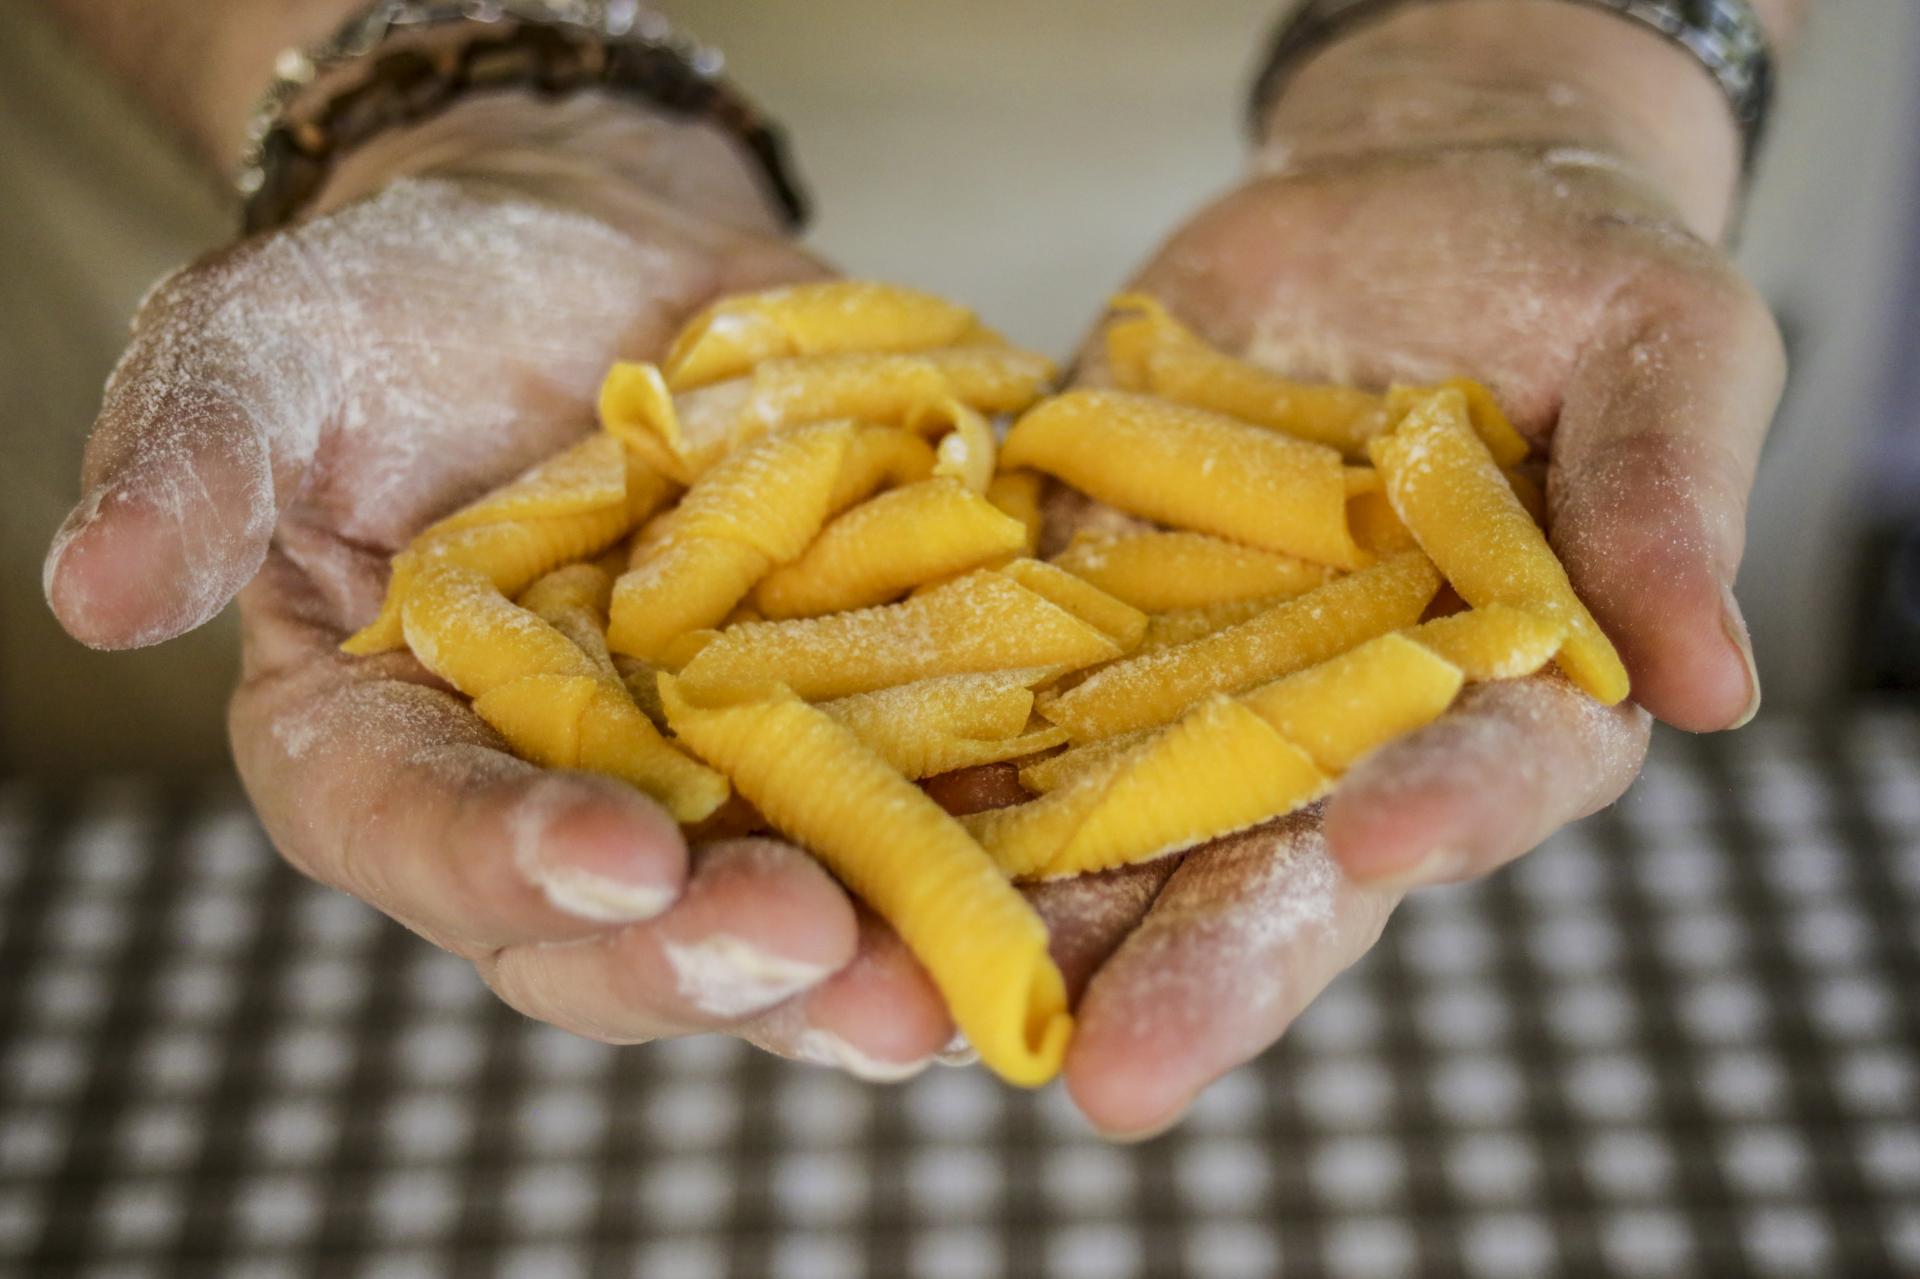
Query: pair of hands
(291, 410)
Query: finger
(1509, 764)
(207, 424)
(1246, 932)
(759, 922)
(373, 782)
(1089, 916)
(880, 1018)
(1653, 459)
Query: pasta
(1193, 469)
(831, 317)
(550, 700)
(1018, 494)
(881, 548)
(567, 508)
(1154, 688)
(984, 621)
(758, 508)
(984, 947)
(1495, 642)
(1151, 351)
(1451, 495)
(1164, 572)
(879, 457)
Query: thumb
(206, 428)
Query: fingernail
(1735, 624)
(728, 976)
(824, 1048)
(1440, 866)
(958, 1051)
(603, 896)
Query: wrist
(1525, 74)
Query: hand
(1643, 368)
(290, 411)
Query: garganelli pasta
(795, 574)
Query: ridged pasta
(567, 508)
(1342, 708)
(953, 721)
(979, 941)
(1148, 350)
(574, 600)
(1018, 494)
(1495, 642)
(1193, 469)
(1157, 687)
(552, 702)
(1457, 503)
(1167, 571)
(984, 621)
(757, 509)
(879, 457)
(882, 547)
(690, 433)
(827, 317)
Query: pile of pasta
(796, 572)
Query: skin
(1423, 203)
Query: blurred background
(1683, 1038)
(1023, 157)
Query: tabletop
(1681, 1039)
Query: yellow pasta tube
(1116, 619)
(1346, 706)
(1156, 687)
(981, 622)
(695, 430)
(574, 600)
(1055, 771)
(1508, 447)
(1151, 351)
(757, 509)
(829, 317)
(983, 946)
(879, 457)
(1495, 642)
(567, 508)
(992, 704)
(1221, 768)
(1184, 625)
(1375, 526)
(1448, 491)
(1194, 469)
(1163, 572)
(967, 451)
(881, 548)
(1018, 494)
(552, 702)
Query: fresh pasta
(1163, 572)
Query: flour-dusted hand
(290, 411)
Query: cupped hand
(1643, 370)
(291, 410)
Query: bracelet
(405, 61)
(1726, 36)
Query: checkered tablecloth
(1681, 1040)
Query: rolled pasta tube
(1375, 526)
(1342, 708)
(983, 946)
(920, 750)
(1495, 642)
(883, 547)
(550, 700)
(1018, 494)
(1184, 625)
(573, 600)
(981, 622)
(1164, 572)
(828, 317)
(1116, 619)
(569, 507)
(1148, 350)
(757, 509)
(1055, 771)
(695, 430)
(1193, 469)
(1155, 688)
(1219, 769)
(1508, 447)
(994, 704)
(967, 451)
(879, 457)
(1450, 494)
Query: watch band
(1726, 36)
(402, 62)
